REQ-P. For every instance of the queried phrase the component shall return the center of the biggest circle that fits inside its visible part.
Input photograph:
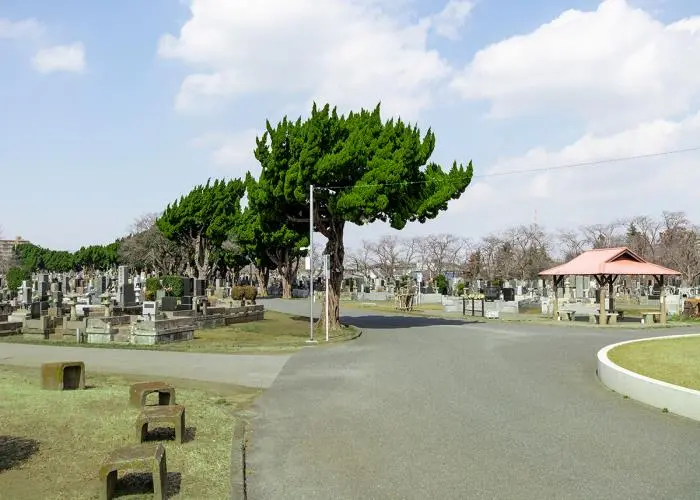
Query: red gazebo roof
(619, 261)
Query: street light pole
(326, 268)
(311, 265)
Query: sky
(109, 110)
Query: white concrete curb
(674, 398)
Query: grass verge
(52, 443)
(676, 361)
(277, 333)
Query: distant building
(7, 247)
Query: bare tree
(680, 246)
(531, 250)
(439, 253)
(571, 243)
(605, 235)
(410, 252)
(488, 250)
(147, 248)
(386, 256)
(360, 260)
(643, 234)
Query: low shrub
(152, 285)
(173, 286)
(244, 293)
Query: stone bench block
(63, 375)
(139, 392)
(149, 456)
(172, 415)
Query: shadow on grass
(397, 321)
(139, 483)
(16, 450)
(168, 434)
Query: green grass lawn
(676, 361)
(278, 332)
(53, 442)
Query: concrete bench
(139, 392)
(63, 375)
(649, 317)
(173, 415)
(567, 314)
(150, 457)
(610, 318)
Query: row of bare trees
(523, 251)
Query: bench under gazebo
(605, 265)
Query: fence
(473, 307)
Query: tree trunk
(201, 257)
(336, 249)
(263, 277)
(286, 287)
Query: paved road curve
(422, 408)
(257, 371)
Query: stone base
(10, 328)
(73, 325)
(40, 326)
(100, 338)
(34, 335)
(143, 338)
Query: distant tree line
(521, 252)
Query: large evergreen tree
(269, 237)
(365, 170)
(202, 220)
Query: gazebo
(606, 265)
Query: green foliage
(152, 284)
(35, 258)
(237, 293)
(250, 292)
(460, 288)
(381, 169)
(15, 277)
(203, 219)
(244, 292)
(98, 256)
(442, 284)
(264, 232)
(173, 286)
(366, 170)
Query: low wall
(162, 331)
(676, 399)
(10, 328)
(223, 316)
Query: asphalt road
(427, 408)
(257, 371)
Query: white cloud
(613, 66)
(351, 53)
(233, 152)
(452, 18)
(596, 193)
(27, 29)
(69, 58)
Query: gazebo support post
(662, 298)
(601, 307)
(611, 293)
(556, 281)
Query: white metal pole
(326, 263)
(311, 264)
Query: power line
(593, 163)
(542, 169)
